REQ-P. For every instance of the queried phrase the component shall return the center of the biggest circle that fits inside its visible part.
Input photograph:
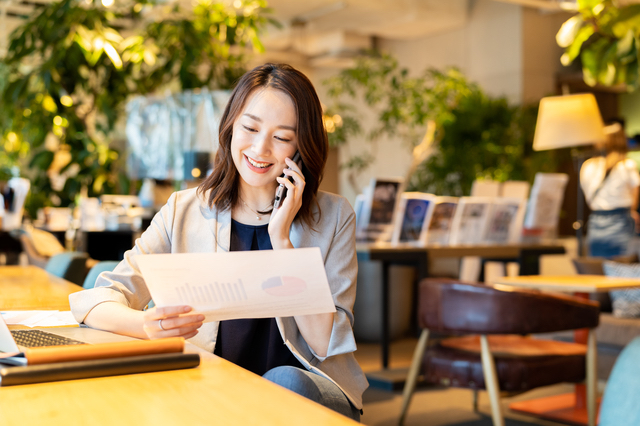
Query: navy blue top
(253, 344)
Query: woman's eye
(249, 129)
(280, 138)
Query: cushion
(593, 266)
(626, 303)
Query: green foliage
(403, 104)
(207, 47)
(486, 139)
(69, 71)
(477, 137)
(606, 38)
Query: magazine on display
(379, 209)
(441, 219)
(470, 220)
(505, 221)
(412, 221)
(547, 194)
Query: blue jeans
(314, 387)
(610, 232)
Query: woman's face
(264, 134)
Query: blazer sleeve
(341, 266)
(125, 284)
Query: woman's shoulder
(597, 161)
(333, 207)
(630, 164)
(187, 197)
(332, 201)
(189, 200)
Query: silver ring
(160, 324)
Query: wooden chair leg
(592, 377)
(475, 400)
(491, 381)
(414, 371)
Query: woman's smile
(257, 166)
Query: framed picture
(380, 209)
(414, 215)
(547, 193)
(358, 209)
(470, 220)
(505, 221)
(441, 219)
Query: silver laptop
(14, 342)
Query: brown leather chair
(499, 355)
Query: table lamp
(569, 121)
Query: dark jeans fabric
(610, 232)
(314, 387)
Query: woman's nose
(261, 144)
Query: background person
(610, 184)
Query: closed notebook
(53, 354)
(48, 354)
(60, 371)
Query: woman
(610, 184)
(273, 112)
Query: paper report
(241, 284)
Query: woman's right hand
(171, 321)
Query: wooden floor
(369, 355)
(434, 405)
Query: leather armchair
(497, 353)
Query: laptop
(14, 342)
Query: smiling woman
(287, 99)
(273, 112)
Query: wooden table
(216, 392)
(32, 288)
(568, 408)
(527, 256)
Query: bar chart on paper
(212, 293)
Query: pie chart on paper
(284, 286)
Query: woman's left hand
(282, 218)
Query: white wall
(507, 49)
(487, 50)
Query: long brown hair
(312, 137)
(614, 148)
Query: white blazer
(186, 224)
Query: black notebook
(55, 372)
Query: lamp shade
(570, 120)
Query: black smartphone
(281, 192)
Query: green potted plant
(69, 71)
(457, 132)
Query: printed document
(241, 284)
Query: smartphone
(281, 192)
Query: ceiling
(310, 27)
(321, 29)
